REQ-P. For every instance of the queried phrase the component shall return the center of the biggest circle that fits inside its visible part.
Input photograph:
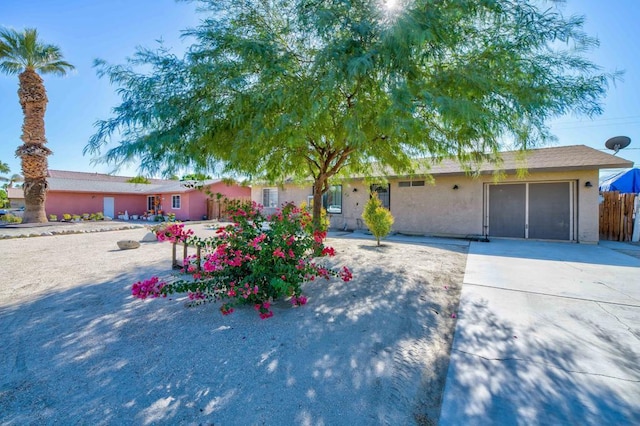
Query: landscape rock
(128, 244)
(149, 238)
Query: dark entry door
(507, 210)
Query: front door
(109, 206)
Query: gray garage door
(507, 210)
(550, 211)
(531, 210)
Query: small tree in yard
(377, 218)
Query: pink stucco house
(79, 193)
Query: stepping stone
(128, 244)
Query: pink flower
(278, 253)
(345, 274)
(319, 236)
(328, 251)
(226, 309)
(255, 243)
(149, 288)
(298, 300)
(453, 315)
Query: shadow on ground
(366, 352)
(512, 375)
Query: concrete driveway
(547, 334)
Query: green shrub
(246, 264)
(378, 219)
(9, 218)
(325, 222)
(53, 218)
(66, 217)
(76, 217)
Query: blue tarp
(626, 182)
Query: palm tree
(4, 168)
(23, 54)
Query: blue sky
(111, 30)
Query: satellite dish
(617, 143)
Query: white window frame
(267, 197)
(173, 202)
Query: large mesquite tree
(24, 54)
(312, 89)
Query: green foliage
(53, 218)
(4, 199)
(4, 167)
(22, 50)
(378, 219)
(313, 89)
(196, 176)
(9, 218)
(325, 222)
(139, 179)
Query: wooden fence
(217, 209)
(616, 216)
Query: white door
(109, 204)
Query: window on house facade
(332, 199)
(410, 183)
(176, 202)
(383, 192)
(270, 197)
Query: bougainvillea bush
(254, 261)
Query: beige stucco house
(557, 199)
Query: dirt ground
(76, 348)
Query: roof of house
(64, 174)
(65, 181)
(574, 157)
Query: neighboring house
(557, 199)
(79, 193)
(15, 197)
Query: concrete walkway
(547, 334)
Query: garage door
(531, 210)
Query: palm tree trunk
(33, 154)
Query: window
(410, 183)
(270, 197)
(332, 199)
(383, 194)
(175, 202)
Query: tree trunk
(33, 154)
(35, 192)
(317, 204)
